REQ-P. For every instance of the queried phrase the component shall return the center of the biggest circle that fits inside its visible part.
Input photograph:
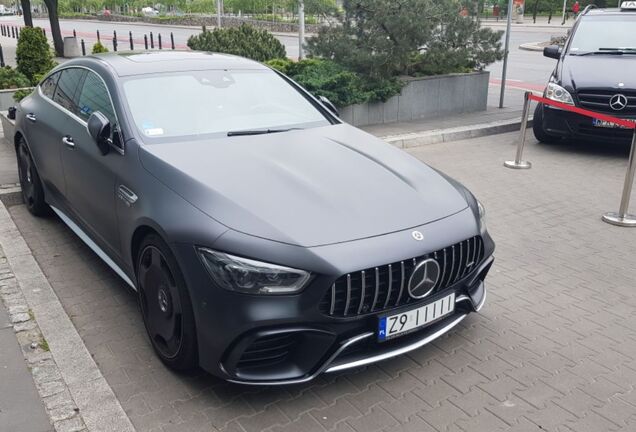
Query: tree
(26, 11)
(54, 19)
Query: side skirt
(91, 244)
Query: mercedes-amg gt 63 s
(268, 241)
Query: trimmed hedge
(245, 41)
(33, 54)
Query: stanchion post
(1, 57)
(98, 37)
(146, 41)
(172, 39)
(152, 41)
(132, 47)
(623, 218)
(114, 40)
(519, 163)
(159, 40)
(44, 32)
(74, 33)
(83, 48)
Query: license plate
(392, 326)
(606, 124)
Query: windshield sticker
(153, 131)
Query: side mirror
(330, 106)
(99, 129)
(552, 51)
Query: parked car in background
(268, 241)
(596, 70)
(149, 12)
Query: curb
(89, 403)
(531, 46)
(418, 139)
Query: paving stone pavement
(554, 348)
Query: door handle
(68, 141)
(126, 195)
(31, 117)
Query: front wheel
(537, 127)
(165, 305)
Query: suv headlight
(252, 277)
(482, 217)
(559, 94)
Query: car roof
(609, 11)
(148, 62)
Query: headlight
(252, 277)
(559, 94)
(482, 217)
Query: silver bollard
(622, 218)
(518, 163)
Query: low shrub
(245, 41)
(33, 54)
(341, 86)
(99, 48)
(12, 79)
(21, 94)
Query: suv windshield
(197, 104)
(604, 33)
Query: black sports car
(268, 241)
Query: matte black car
(596, 71)
(268, 241)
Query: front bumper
(270, 340)
(569, 125)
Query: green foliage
(246, 41)
(99, 48)
(33, 54)
(12, 79)
(340, 86)
(21, 94)
(382, 39)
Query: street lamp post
(218, 13)
(301, 29)
(506, 50)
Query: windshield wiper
(605, 52)
(259, 131)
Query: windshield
(597, 32)
(197, 104)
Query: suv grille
(385, 287)
(599, 100)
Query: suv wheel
(537, 127)
(165, 305)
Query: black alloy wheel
(30, 183)
(165, 305)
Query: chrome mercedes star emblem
(417, 235)
(618, 102)
(424, 278)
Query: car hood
(308, 188)
(602, 71)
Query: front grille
(268, 350)
(599, 101)
(385, 287)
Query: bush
(246, 41)
(340, 86)
(98, 48)
(12, 79)
(33, 54)
(21, 94)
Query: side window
(94, 97)
(67, 88)
(49, 84)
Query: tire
(165, 305)
(30, 182)
(537, 127)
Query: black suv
(596, 71)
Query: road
(527, 70)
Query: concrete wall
(6, 99)
(425, 97)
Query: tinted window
(48, 85)
(67, 87)
(200, 103)
(94, 97)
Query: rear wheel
(165, 305)
(30, 183)
(537, 127)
